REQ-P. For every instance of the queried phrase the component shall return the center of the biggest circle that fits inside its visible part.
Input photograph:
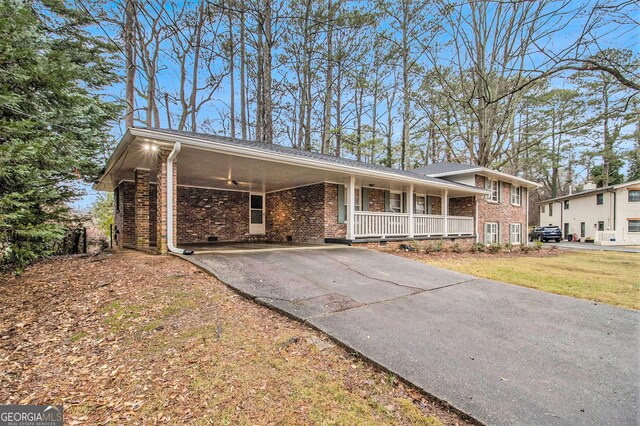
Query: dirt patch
(133, 338)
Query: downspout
(526, 225)
(170, 159)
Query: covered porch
(178, 188)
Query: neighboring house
(608, 215)
(502, 215)
(174, 188)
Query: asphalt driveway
(500, 353)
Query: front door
(256, 213)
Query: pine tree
(53, 124)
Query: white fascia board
(249, 152)
(490, 172)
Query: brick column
(142, 208)
(161, 187)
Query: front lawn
(131, 338)
(608, 277)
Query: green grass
(607, 277)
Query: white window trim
(490, 197)
(358, 198)
(401, 206)
(512, 232)
(516, 192)
(497, 239)
(425, 198)
(629, 227)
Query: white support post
(411, 227)
(445, 211)
(351, 199)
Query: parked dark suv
(546, 233)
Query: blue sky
(168, 81)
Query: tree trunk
(326, 127)
(196, 59)
(259, 82)
(243, 101)
(338, 151)
(405, 149)
(266, 87)
(129, 40)
(232, 82)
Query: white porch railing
(374, 224)
(427, 224)
(383, 225)
(460, 225)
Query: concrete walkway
(502, 354)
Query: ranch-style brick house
(174, 188)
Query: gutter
(172, 248)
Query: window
(515, 232)
(420, 205)
(491, 233)
(582, 230)
(566, 204)
(634, 225)
(550, 209)
(599, 199)
(395, 202)
(495, 191)
(356, 204)
(601, 226)
(634, 195)
(516, 195)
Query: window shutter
(511, 233)
(486, 233)
(387, 201)
(342, 213)
(499, 191)
(365, 199)
(404, 205)
(512, 190)
(499, 240)
(429, 208)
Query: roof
(264, 149)
(294, 152)
(448, 170)
(591, 191)
(445, 168)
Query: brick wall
(376, 200)
(462, 206)
(503, 213)
(124, 215)
(153, 214)
(332, 229)
(436, 205)
(297, 212)
(141, 181)
(203, 212)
